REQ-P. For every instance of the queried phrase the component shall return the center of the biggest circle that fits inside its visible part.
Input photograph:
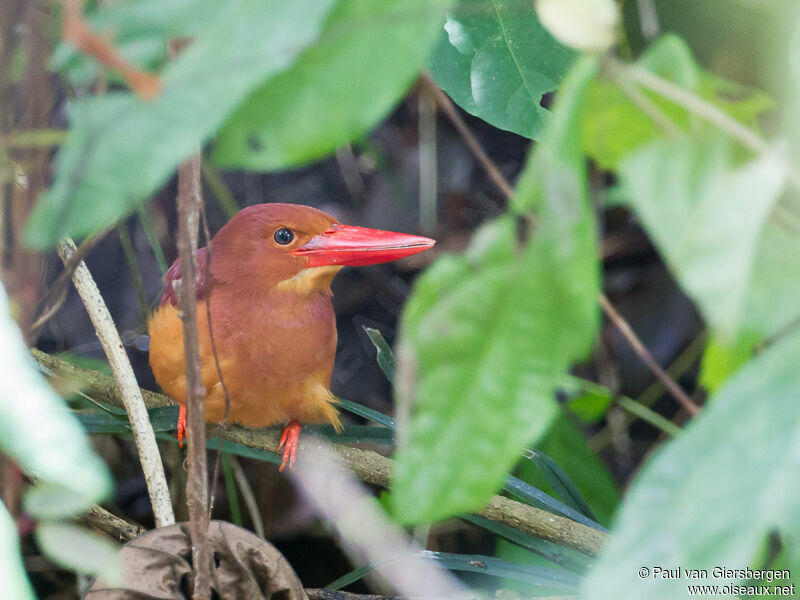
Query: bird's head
(298, 247)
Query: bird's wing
(174, 274)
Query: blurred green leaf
(772, 306)
(590, 407)
(121, 148)
(711, 495)
(721, 360)
(496, 61)
(12, 572)
(613, 125)
(79, 549)
(487, 336)
(140, 30)
(362, 64)
(706, 215)
(52, 501)
(36, 428)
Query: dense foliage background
(573, 159)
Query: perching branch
(189, 201)
(446, 104)
(129, 393)
(368, 466)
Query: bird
(266, 275)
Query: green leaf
(613, 125)
(487, 336)
(496, 61)
(362, 64)
(589, 407)
(79, 549)
(12, 572)
(711, 495)
(721, 360)
(36, 428)
(121, 148)
(384, 354)
(706, 215)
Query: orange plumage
(273, 322)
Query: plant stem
(646, 357)
(189, 201)
(130, 394)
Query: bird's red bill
(358, 246)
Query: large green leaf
(496, 61)
(362, 64)
(36, 428)
(487, 336)
(121, 148)
(79, 549)
(614, 126)
(712, 495)
(706, 214)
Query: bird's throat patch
(310, 280)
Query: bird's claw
(181, 425)
(290, 440)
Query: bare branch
(368, 466)
(189, 202)
(130, 393)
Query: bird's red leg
(290, 439)
(181, 425)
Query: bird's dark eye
(284, 236)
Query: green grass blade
(350, 577)
(559, 579)
(536, 497)
(560, 481)
(230, 489)
(367, 413)
(563, 557)
(385, 356)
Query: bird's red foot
(290, 440)
(181, 425)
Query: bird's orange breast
(276, 353)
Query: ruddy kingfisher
(274, 328)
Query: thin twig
(209, 289)
(248, 497)
(647, 358)
(448, 107)
(690, 102)
(368, 466)
(129, 390)
(58, 289)
(189, 202)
